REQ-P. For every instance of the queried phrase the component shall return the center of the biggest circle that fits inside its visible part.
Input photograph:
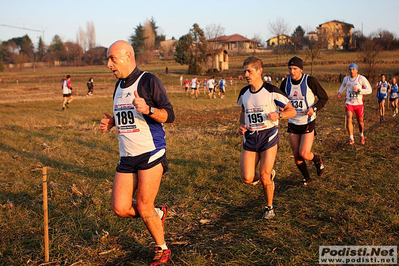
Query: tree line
(191, 49)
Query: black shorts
(140, 162)
(259, 141)
(392, 99)
(67, 95)
(302, 129)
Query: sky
(116, 20)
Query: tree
(191, 50)
(56, 44)
(73, 53)
(278, 28)
(96, 56)
(57, 50)
(313, 51)
(213, 31)
(149, 34)
(158, 37)
(41, 49)
(298, 38)
(91, 34)
(370, 51)
(137, 40)
(81, 38)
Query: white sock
(361, 134)
(163, 246)
(351, 137)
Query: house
(278, 40)
(235, 43)
(335, 34)
(217, 61)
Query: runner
(302, 91)
(383, 88)
(356, 86)
(262, 105)
(394, 96)
(141, 106)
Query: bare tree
(91, 34)
(370, 51)
(313, 51)
(278, 28)
(81, 38)
(149, 35)
(213, 31)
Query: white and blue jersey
(257, 105)
(382, 92)
(139, 133)
(394, 91)
(302, 94)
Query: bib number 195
(255, 118)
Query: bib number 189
(125, 117)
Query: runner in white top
(141, 106)
(262, 106)
(211, 87)
(66, 92)
(194, 87)
(356, 86)
(302, 91)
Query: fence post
(45, 212)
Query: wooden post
(45, 212)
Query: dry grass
(214, 218)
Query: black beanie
(296, 61)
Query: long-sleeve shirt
(360, 82)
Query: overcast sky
(115, 20)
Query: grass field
(214, 218)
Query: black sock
(316, 158)
(304, 169)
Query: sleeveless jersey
(383, 90)
(257, 105)
(65, 88)
(137, 133)
(394, 91)
(194, 83)
(301, 98)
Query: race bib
(383, 90)
(125, 118)
(299, 105)
(256, 120)
(394, 95)
(354, 95)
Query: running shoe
(161, 256)
(269, 213)
(319, 167)
(351, 142)
(362, 140)
(306, 181)
(164, 209)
